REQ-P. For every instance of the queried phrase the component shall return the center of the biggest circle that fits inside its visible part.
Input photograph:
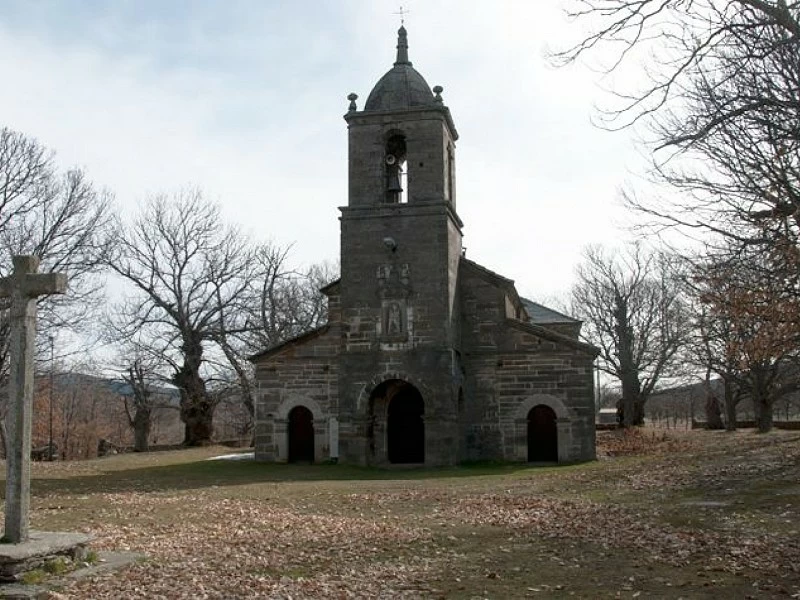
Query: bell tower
(400, 252)
(402, 144)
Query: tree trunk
(141, 430)
(638, 415)
(712, 406)
(628, 374)
(763, 414)
(632, 404)
(731, 400)
(713, 413)
(198, 418)
(197, 409)
(627, 411)
(762, 399)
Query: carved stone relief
(394, 288)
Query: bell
(393, 183)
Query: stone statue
(394, 320)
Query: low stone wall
(750, 424)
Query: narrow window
(396, 168)
(450, 175)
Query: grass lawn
(695, 515)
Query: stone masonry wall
(305, 373)
(510, 368)
(427, 136)
(543, 372)
(423, 355)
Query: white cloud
(246, 102)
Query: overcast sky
(244, 99)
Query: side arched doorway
(402, 407)
(542, 434)
(301, 435)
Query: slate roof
(402, 87)
(541, 314)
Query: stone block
(41, 547)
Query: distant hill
(118, 387)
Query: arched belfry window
(396, 169)
(450, 175)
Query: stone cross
(22, 286)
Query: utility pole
(52, 383)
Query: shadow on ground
(209, 473)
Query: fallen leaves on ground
(397, 539)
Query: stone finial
(352, 96)
(437, 89)
(402, 47)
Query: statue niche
(393, 318)
(394, 288)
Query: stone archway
(396, 428)
(283, 426)
(563, 426)
(300, 431)
(542, 434)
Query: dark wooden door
(301, 435)
(406, 428)
(542, 435)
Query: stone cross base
(41, 547)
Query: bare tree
(741, 178)
(679, 40)
(634, 313)
(752, 336)
(721, 102)
(142, 401)
(256, 310)
(187, 269)
(25, 168)
(711, 349)
(280, 303)
(711, 339)
(61, 218)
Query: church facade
(427, 357)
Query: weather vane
(402, 14)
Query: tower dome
(402, 87)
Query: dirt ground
(660, 515)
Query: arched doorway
(405, 427)
(301, 435)
(542, 434)
(397, 408)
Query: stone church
(427, 357)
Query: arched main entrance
(402, 407)
(301, 435)
(542, 434)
